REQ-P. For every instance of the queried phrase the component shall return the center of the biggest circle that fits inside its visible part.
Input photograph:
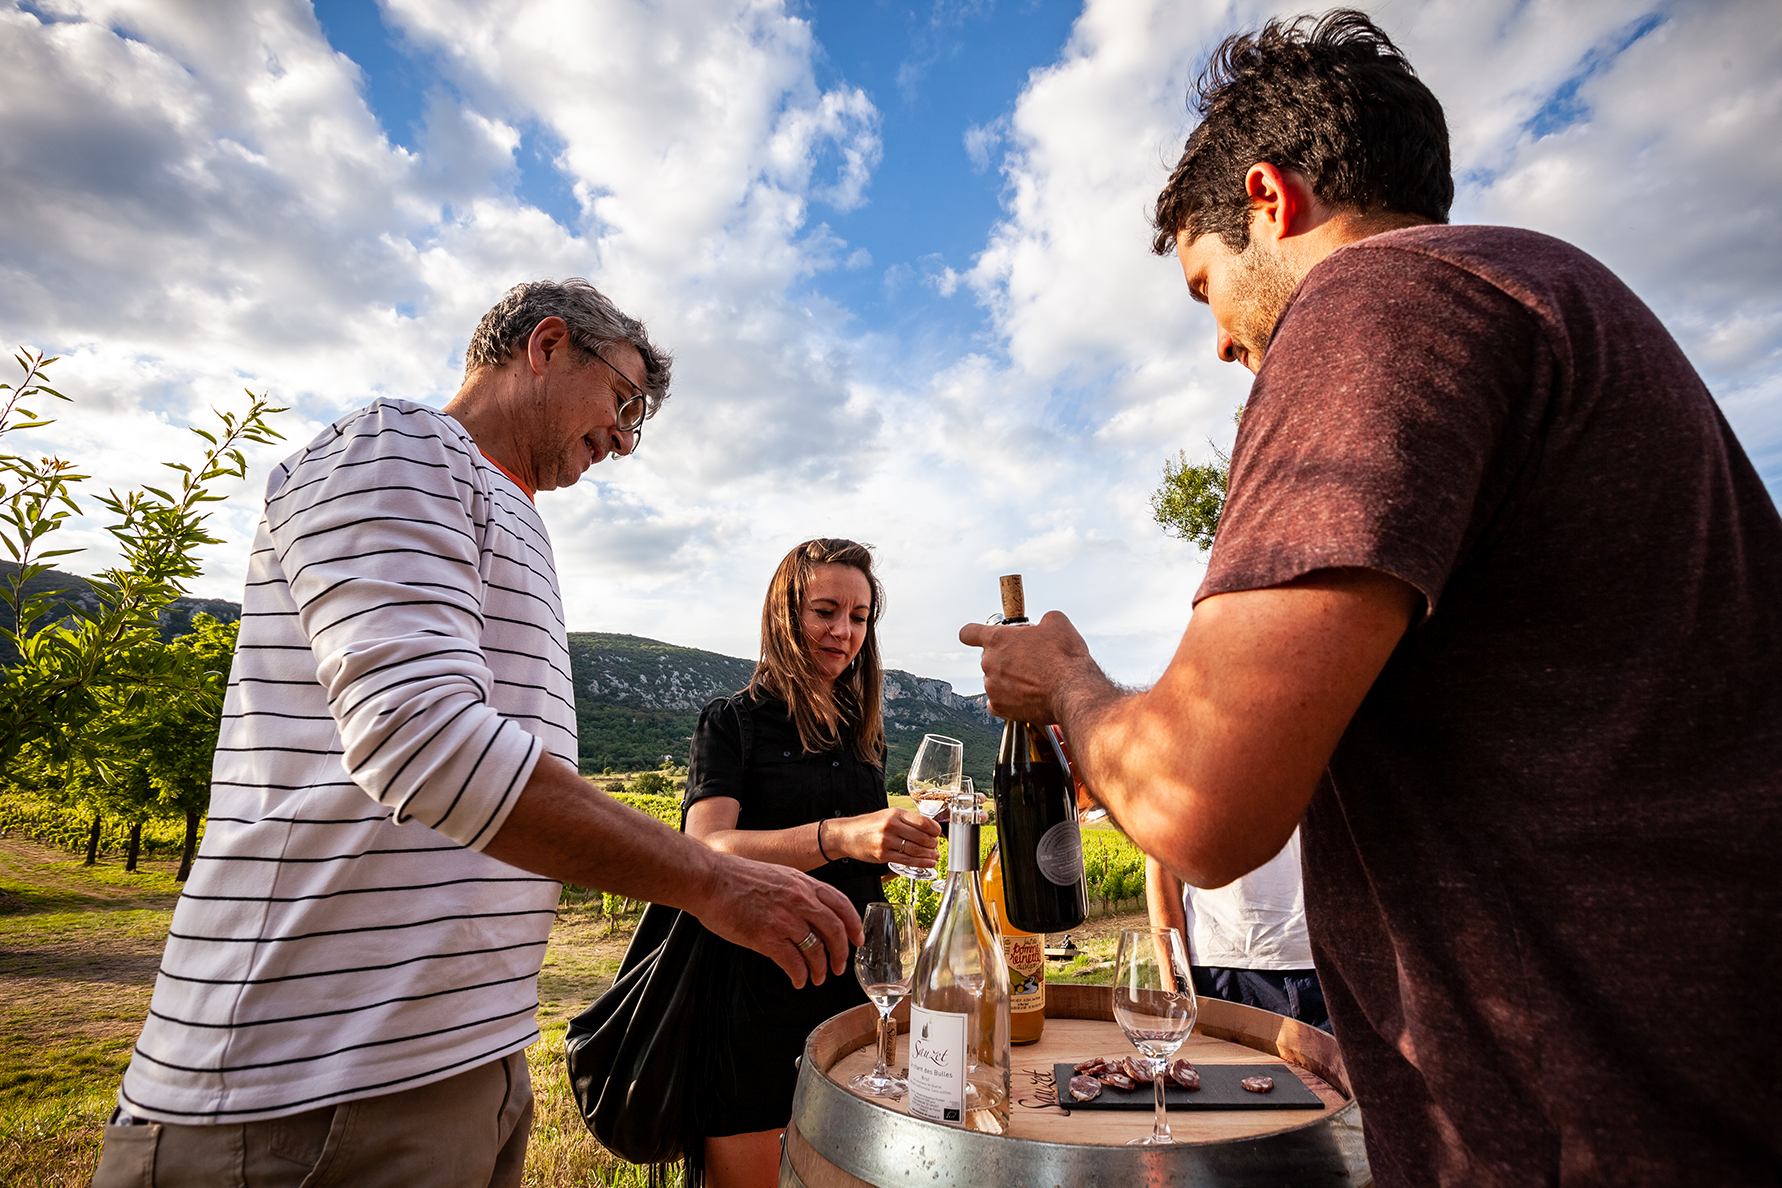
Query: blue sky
(933, 72)
(899, 251)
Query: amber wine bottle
(1036, 817)
(1026, 954)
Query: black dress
(783, 786)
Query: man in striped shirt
(351, 974)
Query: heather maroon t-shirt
(1544, 870)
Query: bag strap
(740, 704)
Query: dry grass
(78, 951)
(79, 947)
(1097, 941)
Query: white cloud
(200, 201)
(981, 140)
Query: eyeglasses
(631, 409)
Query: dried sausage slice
(1258, 1084)
(1116, 1078)
(1138, 1070)
(1085, 1088)
(1184, 1074)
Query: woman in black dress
(792, 771)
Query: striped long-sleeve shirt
(401, 669)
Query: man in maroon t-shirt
(1496, 607)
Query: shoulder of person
(1525, 265)
(724, 715)
(397, 429)
(742, 699)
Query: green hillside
(638, 700)
(75, 596)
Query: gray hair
(593, 321)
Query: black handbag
(643, 1055)
(638, 1056)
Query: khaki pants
(466, 1132)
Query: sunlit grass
(78, 949)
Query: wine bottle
(1025, 953)
(959, 1004)
(1036, 817)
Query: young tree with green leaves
(179, 734)
(72, 671)
(1192, 497)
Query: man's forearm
(1211, 769)
(565, 828)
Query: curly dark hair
(593, 321)
(1328, 96)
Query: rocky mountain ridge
(637, 701)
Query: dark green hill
(637, 701)
(76, 596)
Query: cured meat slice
(1184, 1074)
(1084, 1088)
(1091, 1065)
(1138, 1070)
(1114, 1077)
(1258, 1084)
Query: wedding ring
(900, 844)
(811, 938)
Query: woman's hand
(889, 835)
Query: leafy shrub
(651, 783)
(26, 814)
(665, 808)
(897, 891)
(1113, 866)
(1115, 869)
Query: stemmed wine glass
(933, 780)
(1154, 1005)
(885, 963)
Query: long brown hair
(825, 717)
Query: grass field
(78, 951)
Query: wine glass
(885, 963)
(1154, 1005)
(933, 780)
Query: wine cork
(1014, 603)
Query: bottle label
(1059, 855)
(1027, 972)
(937, 1065)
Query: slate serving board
(1219, 1090)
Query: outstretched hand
(770, 909)
(1028, 667)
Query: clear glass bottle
(959, 1005)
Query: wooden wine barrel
(838, 1139)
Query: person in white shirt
(350, 978)
(1247, 941)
